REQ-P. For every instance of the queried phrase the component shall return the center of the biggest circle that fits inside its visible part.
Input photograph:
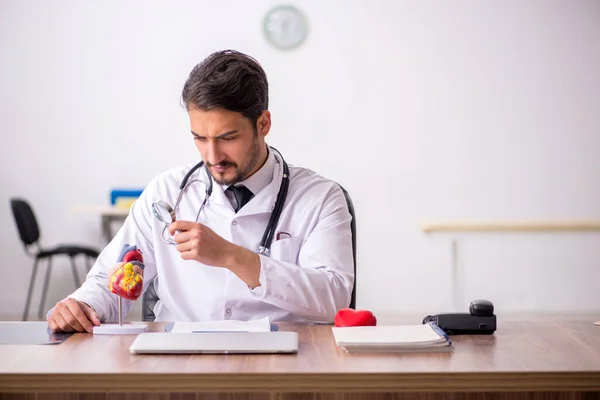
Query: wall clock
(285, 27)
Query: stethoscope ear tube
(267, 238)
(189, 173)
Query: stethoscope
(163, 211)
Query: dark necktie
(242, 195)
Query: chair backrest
(150, 297)
(353, 229)
(25, 220)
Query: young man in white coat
(213, 271)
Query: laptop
(215, 343)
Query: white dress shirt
(308, 276)
(257, 181)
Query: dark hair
(231, 80)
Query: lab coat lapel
(217, 196)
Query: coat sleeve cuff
(261, 291)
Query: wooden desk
(526, 358)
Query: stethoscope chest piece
(163, 212)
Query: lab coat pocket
(287, 250)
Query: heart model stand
(127, 280)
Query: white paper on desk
(402, 336)
(259, 325)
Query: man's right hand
(70, 315)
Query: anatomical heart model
(126, 280)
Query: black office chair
(150, 297)
(30, 234)
(353, 230)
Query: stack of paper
(403, 338)
(259, 325)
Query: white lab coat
(308, 276)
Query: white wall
(421, 109)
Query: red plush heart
(351, 317)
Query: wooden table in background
(544, 359)
(542, 226)
(459, 228)
(108, 215)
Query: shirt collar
(261, 178)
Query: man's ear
(263, 124)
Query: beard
(240, 171)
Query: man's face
(229, 145)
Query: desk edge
(303, 382)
